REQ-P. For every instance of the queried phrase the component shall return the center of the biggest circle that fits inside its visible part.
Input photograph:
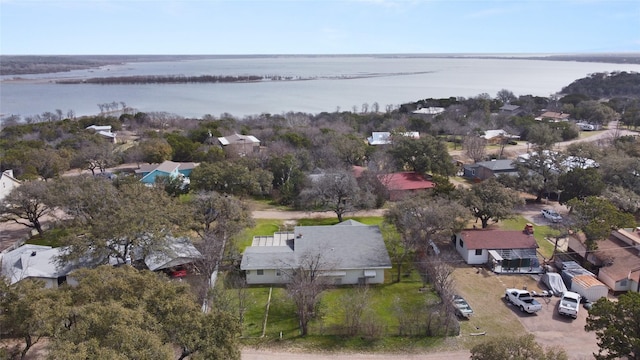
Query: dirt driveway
(484, 290)
(552, 329)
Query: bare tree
(475, 147)
(355, 303)
(422, 222)
(27, 205)
(506, 96)
(306, 283)
(338, 192)
(216, 218)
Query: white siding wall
(470, 256)
(268, 277)
(473, 259)
(610, 282)
(6, 186)
(353, 276)
(350, 277)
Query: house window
(260, 272)
(623, 282)
(461, 243)
(278, 273)
(478, 252)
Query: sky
(220, 27)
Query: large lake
(338, 82)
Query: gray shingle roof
(349, 245)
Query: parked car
(569, 304)
(551, 215)
(523, 300)
(462, 307)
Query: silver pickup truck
(523, 300)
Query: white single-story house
(349, 252)
(432, 110)
(35, 262)
(496, 135)
(41, 262)
(104, 131)
(242, 144)
(568, 162)
(504, 251)
(7, 183)
(385, 138)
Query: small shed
(589, 287)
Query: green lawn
(383, 300)
(262, 227)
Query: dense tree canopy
(421, 220)
(233, 178)
(596, 217)
(489, 200)
(136, 217)
(123, 313)
(617, 326)
(523, 347)
(425, 155)
(604, 85)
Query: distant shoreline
(43, 64)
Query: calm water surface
(337, 82)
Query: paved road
(253, 354)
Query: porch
(514, 261)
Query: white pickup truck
(523, 300)
(569, 304)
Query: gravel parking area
(484, 291)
